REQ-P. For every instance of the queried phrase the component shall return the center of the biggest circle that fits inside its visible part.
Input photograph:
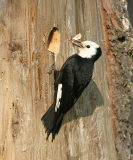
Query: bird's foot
(52, 68)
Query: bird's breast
(84, 72)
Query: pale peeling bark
(26, 90)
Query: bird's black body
(74, 76)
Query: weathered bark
(117, 33)
(26, 90)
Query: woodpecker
(70, 82)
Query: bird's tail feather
(52, 121)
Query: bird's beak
(77, 43)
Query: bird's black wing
(66, 78)
(58, 75)
(83, 74)
(75, 75)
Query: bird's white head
(88, 49)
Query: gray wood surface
(26, 90)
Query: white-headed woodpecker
(70, 82)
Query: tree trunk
(89, 129)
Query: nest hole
(122, 39)
(54, 41)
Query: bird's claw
(52, 68)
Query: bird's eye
(88, 46)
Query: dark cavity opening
(54, 40)
(122, 39)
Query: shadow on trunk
(90, 99)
